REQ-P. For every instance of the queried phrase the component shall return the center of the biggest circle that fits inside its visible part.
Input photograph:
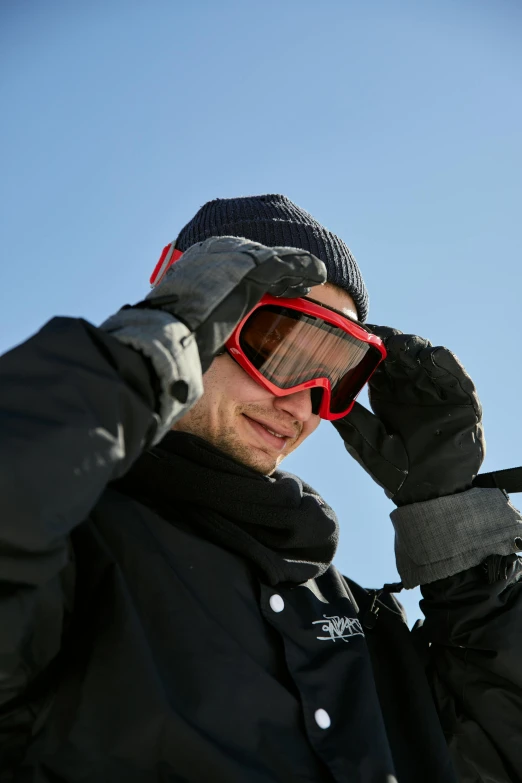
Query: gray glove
(216, 282)
(425, 439)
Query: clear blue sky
(397, 124)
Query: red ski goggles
(288, 345)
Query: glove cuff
(441, 537)
(173, 352)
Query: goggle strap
(169, 255)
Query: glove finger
(406, 370)
(304, 271)
(451, 378)
(440, 372)
(403, 353)
(289, 290)
(382, 455)
(384, 332)
(292, 275)
(381, 379)
(402, 356)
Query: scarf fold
(278, 522)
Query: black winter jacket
(132, 649)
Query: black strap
(509, 479)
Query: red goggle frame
(337, 401)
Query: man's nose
(298, 404)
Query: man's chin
(250, 456)
(229, 443)
(255, 459)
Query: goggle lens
(289, 347)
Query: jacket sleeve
(77, 406)
(461, 549)
(474, 627)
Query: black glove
(216, 282)
(425, 439)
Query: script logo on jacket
(339, 628)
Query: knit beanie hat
(274, 220)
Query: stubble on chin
(229, 442)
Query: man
(169, 611)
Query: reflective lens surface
(289, 348)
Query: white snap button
(322, 719)
(276, 603)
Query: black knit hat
(274, 220)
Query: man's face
(240, 418)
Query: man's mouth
(276, 437)
(273, 433)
